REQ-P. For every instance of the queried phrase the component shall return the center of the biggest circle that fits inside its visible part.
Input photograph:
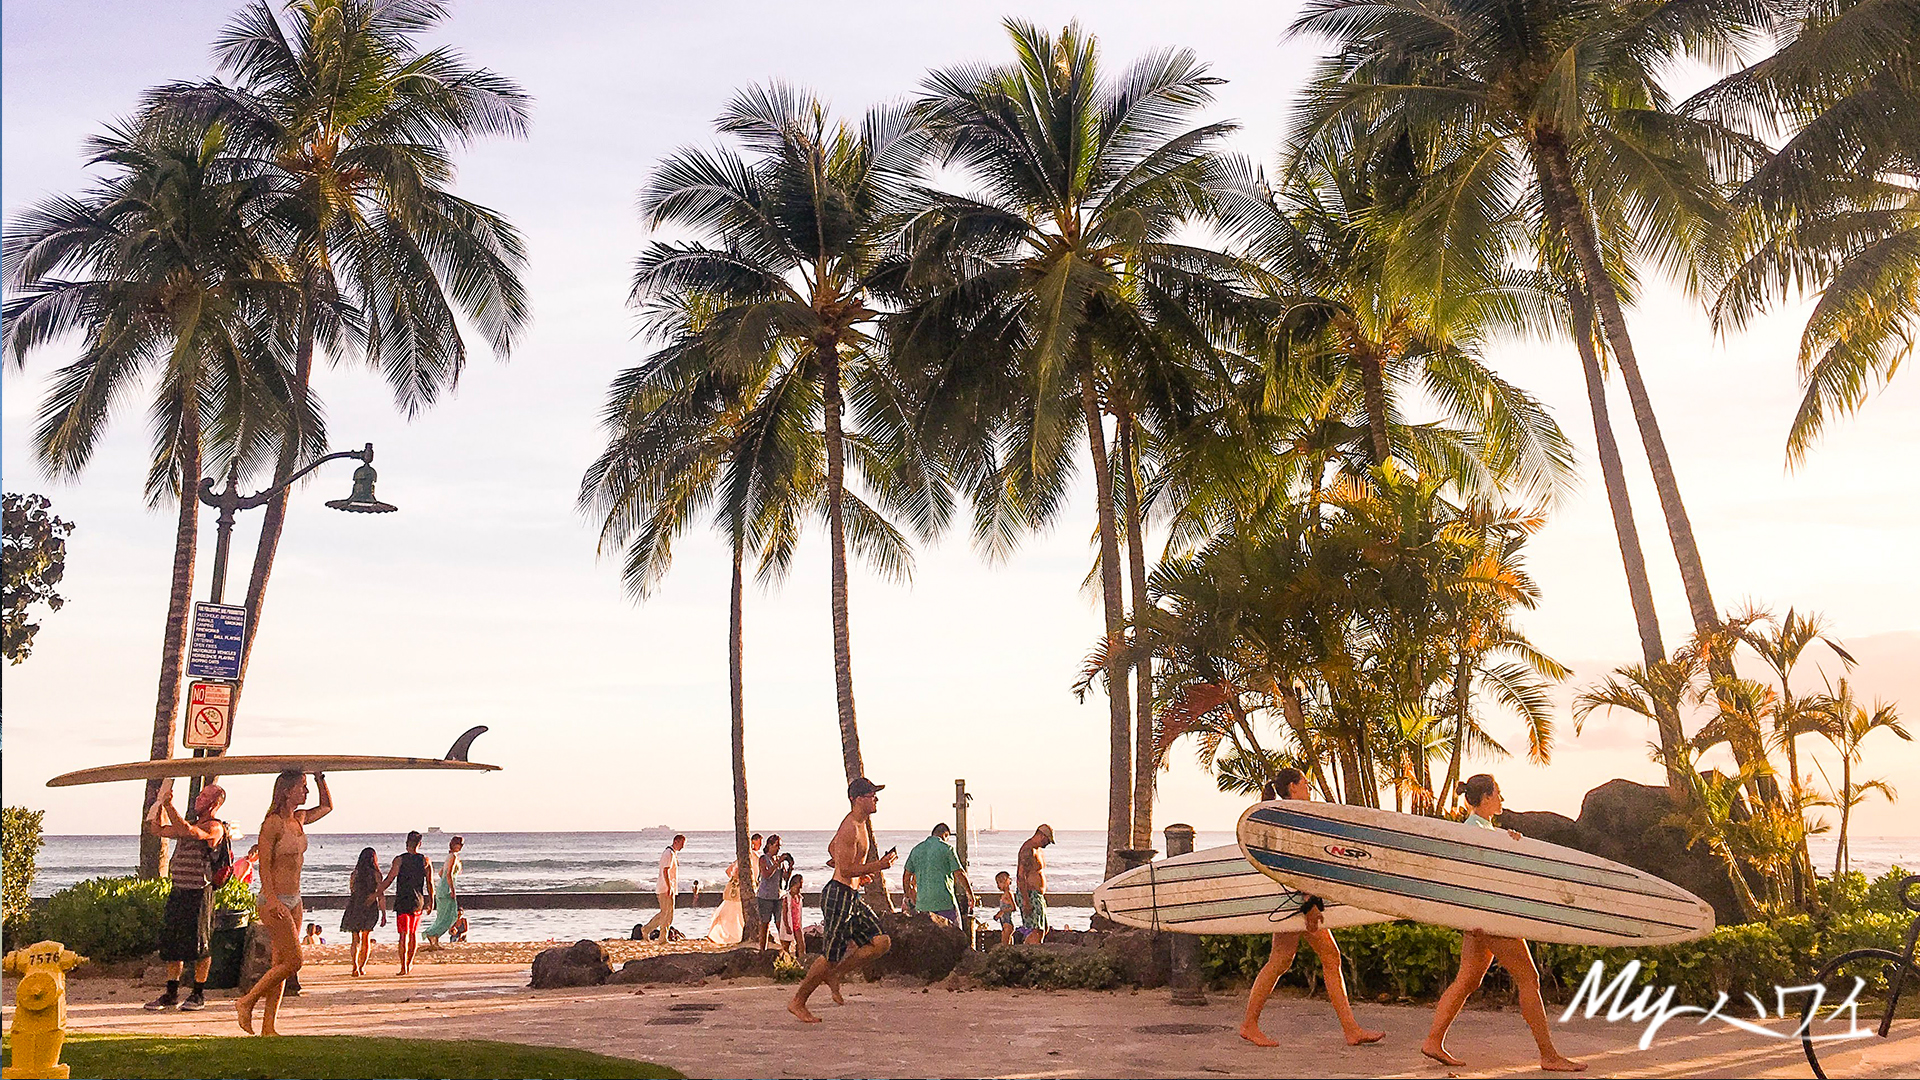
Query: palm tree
(166, 267)
(796, 241)
(690, 430)
(1549, 104)
(1327, 244)
(342, 101)
(1072, 263)
(1835, 208)
(1847, 724)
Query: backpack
(220, 859)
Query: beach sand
(889, 1029)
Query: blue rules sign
(213, 652)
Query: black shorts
(769, 907)
(187, 927)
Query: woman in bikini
(1479, 949)
(1292, 784)
(283, 852)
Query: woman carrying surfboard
(1292, 784)
(283, 853)
(1478, 950)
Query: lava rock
(583, 963)
(924, 948)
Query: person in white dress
(729, 925)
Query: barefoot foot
(1362, 1036)
(799, 1009)
(1557, 1063)
(1254, 1035)
(244, 1009)
(834, 989)
(1439, 1054)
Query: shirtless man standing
(1030, 884)
(852, 937)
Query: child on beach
(787, 932)
(1005, 912)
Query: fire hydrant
(39, 1009)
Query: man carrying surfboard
(1292, 784)
(1478, 951)
(187, 927)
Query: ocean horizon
(628, 862)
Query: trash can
(229, 948)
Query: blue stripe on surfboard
(1459, 851)
(1219, 869)
(1208, 910)
(1461, 896)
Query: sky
(483, 600)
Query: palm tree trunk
(1463, 671)
(832, 404)
(1373, 389)
(1639, 588)
(1296, 715)
(275, 518)
(1846, 809)
(736, 660)
(166, 707)
(1144, 761)
(1119, 722)
(1575, 227)
(1578, 232)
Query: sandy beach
(900, 1029)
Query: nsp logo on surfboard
(1339, 852)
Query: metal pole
(228, 501)
(1185, 947)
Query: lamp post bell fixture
(229, 502)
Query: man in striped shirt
(186, 930)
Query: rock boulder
(924, 948)
(583, 963)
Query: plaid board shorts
(848, 921)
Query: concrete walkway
(742, 1029)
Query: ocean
(629, 861)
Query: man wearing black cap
(852, 937)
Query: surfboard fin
(462, 745)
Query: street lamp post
(229, 502)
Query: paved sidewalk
(742, 1029)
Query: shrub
(1883, 894)
(105, 918)
(786, 969)
(235, 896)
(21, 843)
(1018, 965)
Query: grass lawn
(323, 1057)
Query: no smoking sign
(209, 716)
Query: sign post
(209, 716)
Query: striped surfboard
(1450, 873)
(1216, 891)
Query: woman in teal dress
(446, 906)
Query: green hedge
(20, 838)
(1020, 965)
(117, 918)
(1414, 961)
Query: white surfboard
(1450, 873)
(1216, 891)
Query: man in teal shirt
(932, 871)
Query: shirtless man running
(1030, 884)
(852, 932)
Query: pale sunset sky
(482, 601)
